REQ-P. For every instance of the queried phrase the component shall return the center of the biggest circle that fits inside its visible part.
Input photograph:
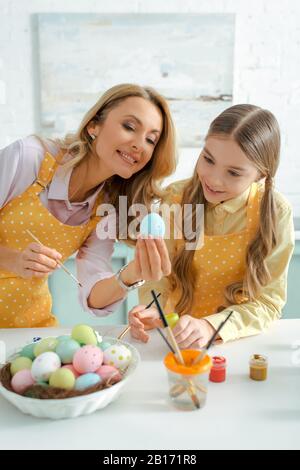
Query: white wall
(266, 65)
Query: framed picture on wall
(186, 57)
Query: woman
(124, 146)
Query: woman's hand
(192, 333)
(142, 319)
(151, 261)
(35, 261)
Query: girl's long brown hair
(256, 131)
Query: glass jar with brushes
(188, 382)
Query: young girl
(248, 236)
(124, 146)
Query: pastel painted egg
(28, 351)
(172, 319)
(72, 369)
(84, 334)
(88, 359)
(20, 363)
(66, 350)
(47, 344)
(22, 380)
(109, 372)
(63, 338)
(44, 365)
(86, 381)
(117, 355)
(104, 345)
(62, 378)
(153, 224)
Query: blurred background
(57, 57)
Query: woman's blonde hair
(144, 186)
(256, 131)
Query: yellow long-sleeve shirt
(252, 317)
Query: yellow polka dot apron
(220, 262)
(26, 303)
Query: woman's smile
(128, 158)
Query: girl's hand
(151, 261)
(36, 261)
(142, 319)
(193, 333)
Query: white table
(239, 413)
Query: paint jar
(188, 382)
(218, 370)
(258, 367)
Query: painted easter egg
(84, 334)
(117, 355)
(72, 369)
(28, 351)
(86, 381)
(63, 338)
(62, 378)
(87, 359)
(66, 350)
(20, 363)
(172, 319)
(44, 365)
(47, 344)
(153, 224)
(22, 380)
(110, 373)
(104, 345)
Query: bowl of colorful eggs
(68, 376)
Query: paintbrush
(128, 327)
(210, 342)
(158, 329)
(58, 262)
(191, 386)
(165, 340)
(168, 328)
